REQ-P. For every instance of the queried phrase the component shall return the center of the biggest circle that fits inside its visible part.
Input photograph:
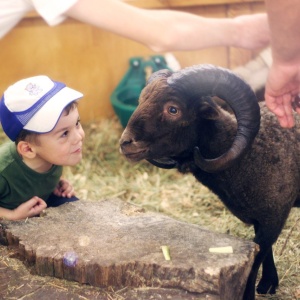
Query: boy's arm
(6, 214)
(28, 209)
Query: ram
(245, 158)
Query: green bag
(124, 98)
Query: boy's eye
(65, 133)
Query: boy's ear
(25, 149)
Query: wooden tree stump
(112, 243)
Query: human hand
(28, 209)
(282, 88)
(64, 189)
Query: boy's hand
(28, 209)
(64, 189)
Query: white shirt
(12, 11)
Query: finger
(57, 193)
(284, 122)
(41, 201)
(63, 182)
(39, 207)
(33, 201)
(275, 105)
(69, 192)
(64, 187)
(288, 110)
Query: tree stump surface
(111, 243)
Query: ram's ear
(208, 109)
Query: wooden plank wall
(94, 61)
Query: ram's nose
(124, 141)
(125, 137)
(124, 144)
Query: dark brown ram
(249, 161)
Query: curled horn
(161, 73)
(208, 80)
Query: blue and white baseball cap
(34, 104)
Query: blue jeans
(54, 201)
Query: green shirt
(19, 183)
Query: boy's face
(63, 145)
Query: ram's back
(266, 181)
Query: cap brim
(47, 117)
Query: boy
(40, 116)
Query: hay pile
(104, 173)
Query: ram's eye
(173, 110)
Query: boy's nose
(79, 136)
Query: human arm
(28, 209)
(170, 30)
(64, 189)
(283, 83)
